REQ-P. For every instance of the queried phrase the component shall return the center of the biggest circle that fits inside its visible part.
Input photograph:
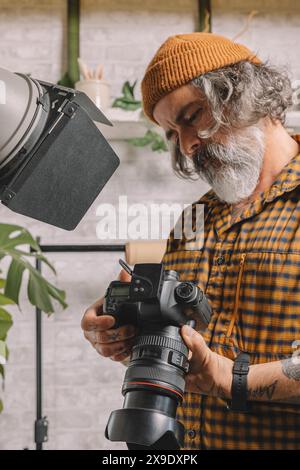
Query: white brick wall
(81, 389)
(273, 33)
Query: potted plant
(128, 102)
(15, 245)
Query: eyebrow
(179, 117)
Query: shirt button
(191, 433)
(220, 260)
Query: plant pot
(97, 90)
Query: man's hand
(113, 343)
(209, 372)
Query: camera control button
(177, 359)
(174, 358)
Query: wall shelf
(126, 124)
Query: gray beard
(233, 169)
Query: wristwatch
(239, 384)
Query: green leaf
(142, 141)
(39, 289)
(44, 260)
(126, 105)
(38, 293)
(5, 324)
(127, 101)
(139, 141)
(2, 372)
(20, 253)
(13, 235)
(159, 146)
(5, 300)
(128, 91)
(150, 138)
(118, 103)
(57, 294)
(14, 280)
(2, 352)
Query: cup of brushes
(94, 86)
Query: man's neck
(280, 149)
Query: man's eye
(191, 119)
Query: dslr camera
(158, 304)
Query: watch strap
(239, 383)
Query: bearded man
(223, 111)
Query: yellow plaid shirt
(250, 272)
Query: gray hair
(238, 96)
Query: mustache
(210, 154)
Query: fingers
(121, 357)
(92, 322)
(114, 343)
(111, 336)
(117, 343)
(124, 276)
(114, 340)
(117, 348)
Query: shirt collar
(287, 180)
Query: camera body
(158, 304)
(155, 296)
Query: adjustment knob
(185, 292)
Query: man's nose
(189, 143)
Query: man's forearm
(275, 381)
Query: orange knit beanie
(184, 57)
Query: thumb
(124, 276)
(195, 342)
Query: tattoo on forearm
(291, 368)
(267, 391)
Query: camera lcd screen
(120, 291)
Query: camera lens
(160, 359)
(153, 387)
